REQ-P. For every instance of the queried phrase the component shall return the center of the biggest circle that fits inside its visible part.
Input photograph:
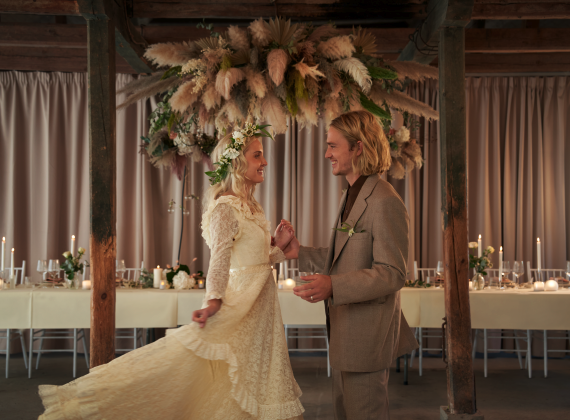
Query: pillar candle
(289, 284)
(3, 251)
(501, 264)
(415, 270)
(72, 247)
(479, 247)
(86, 284)
(538, 255)
(157, 277)
(162, 287)
(12, 265)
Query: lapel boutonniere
(349, 229)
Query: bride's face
(256, 163)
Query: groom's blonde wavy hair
(363, 126)
(235, 181)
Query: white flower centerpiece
(480, 264)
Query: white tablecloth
(61, 308)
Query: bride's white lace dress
(236, 367)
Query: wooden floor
(506, 394)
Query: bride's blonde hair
(235, 181)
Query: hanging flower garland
(265, 73)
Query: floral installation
(72, 264)
(269, 71)
(483, 262)
(233, 150)
(346, 227)
(183, 280)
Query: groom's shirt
(351, 196)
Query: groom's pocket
(359, 236)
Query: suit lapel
(355, 214)
(333, 236)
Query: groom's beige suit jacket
(366, 326)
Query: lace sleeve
(276, 255)
(224, 226)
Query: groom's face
(339, 153)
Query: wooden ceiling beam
(520, 9)
(40, 7)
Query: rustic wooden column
(102, 168)
(453, 135)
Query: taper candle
(538, 255)
(3, 251)
(12, 265)
(72, 247)
(415, 270)
(479, 247)
(501, 265)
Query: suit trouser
(361, 395)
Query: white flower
(67, 254)
(490, 249)
(81, 250)
(183, 281)
(473, 245)
(237, 135)
(231, 153)
(402, 135)
(351, 232)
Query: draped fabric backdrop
(519, 186)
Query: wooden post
(453, 135)
(102, 166)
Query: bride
(232, 362)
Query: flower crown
(233, 150)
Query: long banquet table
(492, 309)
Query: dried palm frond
(273, 113)
(167, 54)
(332, 78)
(306, 70)
(226, 79)
(211, 97)
(146, 91)
(277, 61)
(325, 31)
(255, 81)
(306, 50)
(331, 110)
(260, 33)
(357, 71)
(212, 43)
(413, 71)
(281, 30)
(240, 57)
(238, 38)
(364, 41)
(184, 97)
(191, 51)
(397, 170)
(300, 33)
(402, 102)
(336, 48)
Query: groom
(362, 271)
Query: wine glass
(120, 268)
(439, 271)
(506, 271)
(53, 269)
(518, 270)
(42, 268)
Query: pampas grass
(277, 61)
(184, 97)
(168, 54)
(240, 94)
(226, 79)
(413, 71)
(325, 31)
(255, 82)
(414, 152)
(402, 102)
(141, 83)
(260, 34)
(397, 170)
(331, 110)
(146, 91)
(357, 70)
(306, 70)
(336, 48)
(273, 113)
(306, 50)
(211, 97)
(238, 38)
(309, 109)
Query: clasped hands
(320, 286)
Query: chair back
(19, 272)
(424, 273)
(546, 274)
(133, 274)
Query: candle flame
(12, 249)
(501, 249)
(479, 236)
(3, 239)
(158, 266)
(537, 239)
(72, 236)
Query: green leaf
(170, 72)
(382, 73)
(369, 105)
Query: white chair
(11, 334)
(319, 331)
(544, 275)
(40, 335)
(424, 274)
(135, 334)
(493, 272)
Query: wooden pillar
(453, 135)
(102, 168)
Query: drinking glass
(28, 282)
(304, 274)
(53, 269)
(518, 270)
(120, 268)
(506, 271)
(439, 272)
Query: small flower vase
(478, 282)
(77, 280)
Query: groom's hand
(319, 288)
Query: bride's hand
(201, 315)
(283, 235)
